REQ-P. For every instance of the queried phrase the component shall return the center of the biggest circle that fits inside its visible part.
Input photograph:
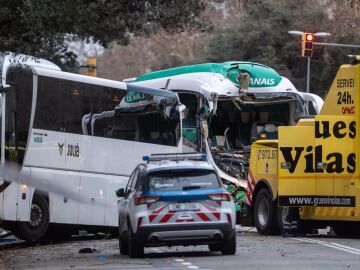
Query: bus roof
(8, 59)
(171, 96)
(261, 75)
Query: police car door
(124, 210)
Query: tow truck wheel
(264, 212)
(136, 249)
(36, 228)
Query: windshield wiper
(191, 187)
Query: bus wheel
(36, 228)
(264, 212)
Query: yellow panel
(266, 161)
(342, 97)
(335, 146)
(295, 148)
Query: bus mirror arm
(6, 88)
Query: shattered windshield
(263, 97)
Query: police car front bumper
(184, 234)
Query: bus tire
(36, 228)
(264, 213)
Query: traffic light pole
(308, 75)
(324, 44)
(337, 45)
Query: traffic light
(307, 44)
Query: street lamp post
(304, 35)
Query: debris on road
(89, 250)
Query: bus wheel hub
(35, 216)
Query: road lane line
(350, 248)
(331, 245)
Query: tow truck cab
(315, 163)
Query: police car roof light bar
(175, 157)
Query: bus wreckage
(228, 106)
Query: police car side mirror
(120, 193)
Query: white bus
(75, 137)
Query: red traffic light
(309, 37)
(307, 44)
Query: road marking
(189, 265)
(330, 244)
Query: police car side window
(132, 182)
(128, 186)
(141, 180)
(135, 178)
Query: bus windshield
(300, 103)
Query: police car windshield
(182, 180)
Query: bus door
(15, 121)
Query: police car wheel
(214, 247)
(229, 246)
(123, 244)
(136, 249)
(264, 212)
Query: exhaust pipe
(154, 239)
(217, 236)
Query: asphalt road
(253, 252)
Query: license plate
(184, 207)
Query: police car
(175, 199)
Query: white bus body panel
(90, 179)
(24, 205)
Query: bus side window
(48, 114)
(73, 92)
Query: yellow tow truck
(313, 165)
